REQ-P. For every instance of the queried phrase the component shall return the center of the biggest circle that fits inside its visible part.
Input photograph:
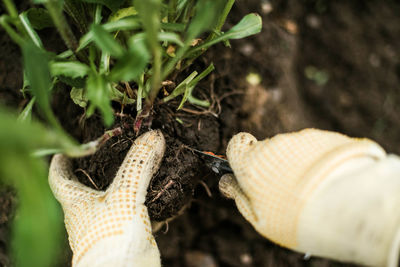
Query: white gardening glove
(319, 192)
(111, 228)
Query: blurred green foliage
(37, 226)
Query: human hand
(319, 192)
(112, 227)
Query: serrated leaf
(106, 42)
(71, 69)
(79, 97)
(98, 93)
(39, 18)
(113, 5)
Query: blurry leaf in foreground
(131, 65)
(38, 73)
(37, 228)
(98, 93)
(72, 69)
(106, 42)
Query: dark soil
(355, 44)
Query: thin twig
(168, 185)
(166, 227)
(87, 175)
(208, 191)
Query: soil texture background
(332, 65)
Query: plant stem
(11, 9)
(222, 19)
(11, 32)
(171, 63)
(156, 79)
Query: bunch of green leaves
(140, 43)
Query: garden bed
(332, 65)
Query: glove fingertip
(238, 145)
(227, 185)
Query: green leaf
(113, 5)
(106, 42)
(119, 25)
(176, 27)
(29, 29)
(72, 69)
(39, 18)
(122, 13)
(181, 88)
(186, 88)
(149, 12)
(170, 37)
(116, 95)
(205, 18)
(76, 82)
(26, 114)
(79, 97)
(38, 73)
(36, 66)
(133, 64)
(188, 95)
(98, 93)
(249, 25)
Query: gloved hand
(111, 228)
(319, 192)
